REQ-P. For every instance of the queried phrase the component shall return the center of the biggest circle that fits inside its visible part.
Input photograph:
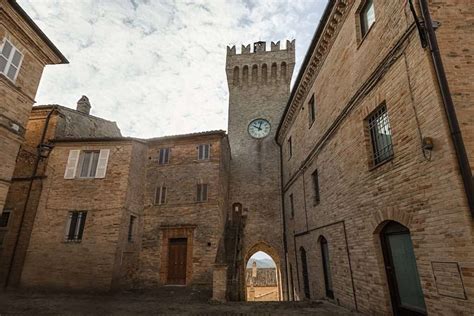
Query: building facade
(376, 199)
(24, 52)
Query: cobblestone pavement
(167, 301)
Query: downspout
(285, 245)
(28, 194)
(456, 136)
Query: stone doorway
(262, 281)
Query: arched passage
(262, 283)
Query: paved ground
(170, 301)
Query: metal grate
(380, 135)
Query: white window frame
(199, 192)
(165, 159)
(10, 60)
(82, 217)
(132, 228)
(89, 169)
(202, 149)
(159, 195)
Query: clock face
(259, 128)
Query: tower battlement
(260, 47)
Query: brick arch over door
(269, 250)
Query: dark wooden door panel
(177, 261)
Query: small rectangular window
(89, 161)
(292, 206)
(380, 135)
(204, 152)
(160, 195)
(290, 147)
(311, 111)
(316, 187)
(202, 189)
(131, 228)
(164, 156)
(4, 220)
(10, 60)
(75, 225)
(367, 17)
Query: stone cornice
(312, 67)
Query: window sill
(381, 163)
(72, 241)
(362, 39)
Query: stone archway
(270, 251)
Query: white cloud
(158, 67)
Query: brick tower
(259, 87)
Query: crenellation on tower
(262, 67)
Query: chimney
(83, 105)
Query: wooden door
(177, 251)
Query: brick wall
(422, 193)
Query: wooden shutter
(102, 164)
(71, 165)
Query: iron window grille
(204, 152)
(202, 189)
(292, 206)
(131, 228)
(312, 111)
(10, 60)
(160, 195)
(317, 196)
(164, 156)
(380, 135)
(75, 226)
(89, 161)
(4, 220)
(367, 17)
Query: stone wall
(421, 190)
(182, 216)
(259, 83)
(17, 98)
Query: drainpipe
(285, 245)
(456, 136)
(30, 187)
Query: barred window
(380, 135)
(204, 152)
(131, 228)
(202, 192)
(4, 220)
(160, 195)
(290, 147)
(164, 156)
(367, 17)
(315, 177)
(75, 226)
(10, 60)
(292, 206)
(312, 111)
(88, 162)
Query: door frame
(390, 273)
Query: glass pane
(7, 48)
(406, 272)
(327, 269)
(16, 58)
(86, 160)
(3, 63)
(370, 15)
(11, 72)
(95, 160)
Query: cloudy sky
(157, 67)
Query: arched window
(402, 272)
(254, 74)
(264, 73)
(326, 267)
(283, 71)
(236, 76)
(274, 71)
(304, 266)
(245, 74)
